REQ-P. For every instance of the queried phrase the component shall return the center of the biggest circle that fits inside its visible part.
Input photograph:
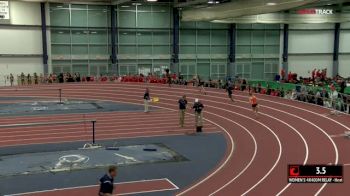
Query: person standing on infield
(198, 108)
(107, 182)
(253, 100)
(146, 100)
(182, 110)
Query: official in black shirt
(182, 110)
(107, 182)
(198, 108)
(146, 100)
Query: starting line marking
(169, 182)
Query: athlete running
(229, 90)
(253, 100)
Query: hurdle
(38, 89)
(93, 122)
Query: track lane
(243, 95)
(174, 101)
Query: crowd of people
(318, 77)
(305, 92)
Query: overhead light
(60, 32)
(124, 6)
(93, 32)
(271, 3)
(152, 0)
(59, 6)
(136, 4)
(213, 2)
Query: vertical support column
(114, 41)
(44, 37)
(175, 68)
(231, 66)
(335, 67)
(285, 48)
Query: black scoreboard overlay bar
(315, 174)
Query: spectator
(29, 79)
(11, 79)
(36, 78)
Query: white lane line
(333, 143)
(90, 186)
(339, 135)
(106, 138)
(98, 135)
(273, 133)
(126, 157)
(242, 96)
(79, 129)
(209, 176)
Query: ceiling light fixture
(271, 3)
(152, 0)
(211, 2)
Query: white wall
(17, 40)
(344, 49)
(310, 46)
(304, 64)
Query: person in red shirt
(318, 73)
(254, 102)
(313, 74)
(290, 76)
(283, 74)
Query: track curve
(259, 150)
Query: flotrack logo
(316, 11)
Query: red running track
(258, 150)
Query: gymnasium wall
(79, 41)
(20, 38)
(310, 46)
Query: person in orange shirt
(253, 100)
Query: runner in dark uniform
(107, 182)
(229, 90)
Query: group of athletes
(198, 106)
(107, 181)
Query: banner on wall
(4, 10)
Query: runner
(202, 89)
(229, 90)
(168, 77)
(182, 110)
(253, 100)
(107, 182)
